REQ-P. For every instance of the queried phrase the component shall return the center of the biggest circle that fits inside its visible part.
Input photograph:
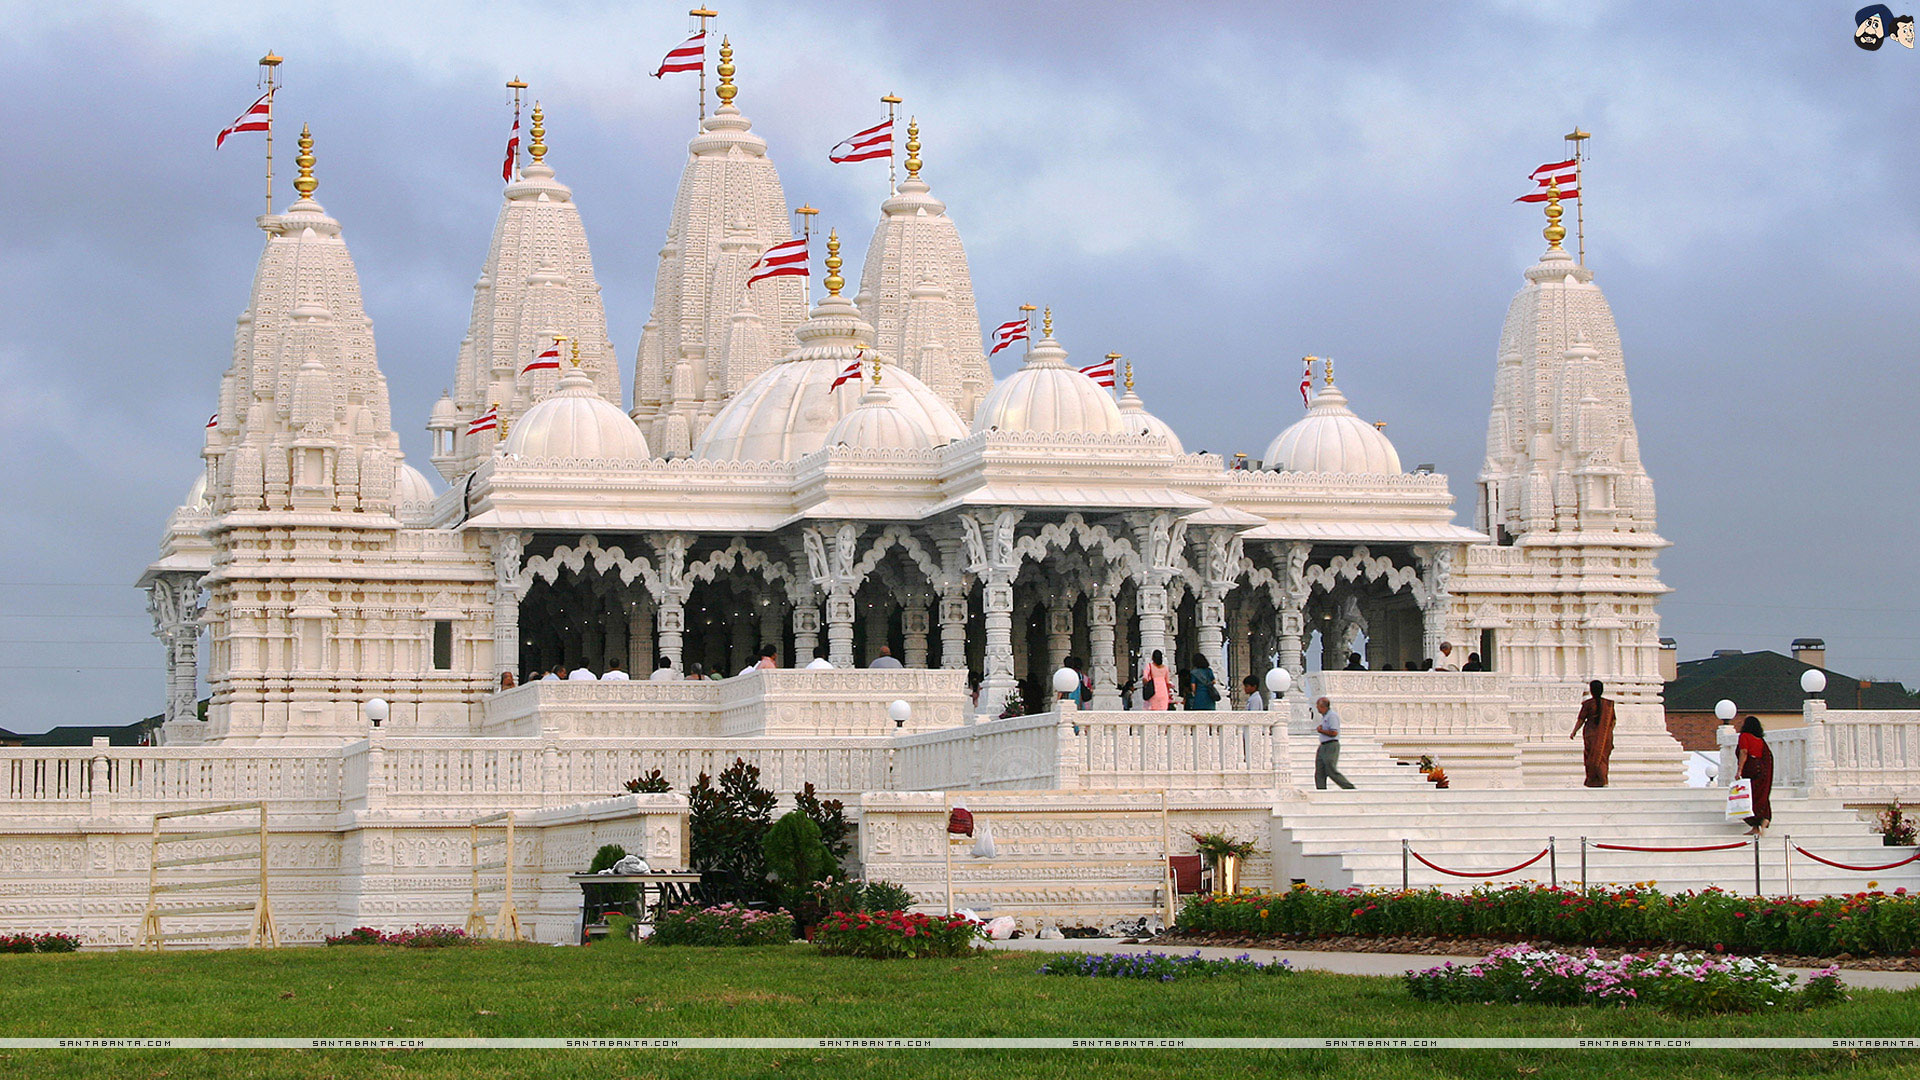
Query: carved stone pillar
(1212, 612)
(1239, 650)
(1101, 616)
(806, 633)
(641, 654)
(996, 601)
(508, 587)
(914, 626)
(670, 623)
(1059, 637)
(1153, 621)
(840, 626)
(174, 602)
(953, 629)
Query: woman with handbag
(1755, 760)
(1156, 683)
(1205, 694)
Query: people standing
(1205, 695)
(662, 670)
(613, 673)
(1326, 761)
(767, 653)
(1354, 663)
(820, 661)
(1156, 683)
(1256, 701)
(1755, 760)
(1596, 718)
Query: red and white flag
(214, 420)
(875, 142)
(258, 117)
(513, 148)
(781, 260)
(851, 373)
(1565, 173)
(1100, 371)
(1008, 334)
(545, 361)
(689, 55)
(1306, 385)
(486, 421)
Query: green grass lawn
(791, 991)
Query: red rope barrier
(1709, 847)
(1475, 873)
(1844, 866)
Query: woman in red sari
(1755, 759)
(1596, 718)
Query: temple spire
(834, 281)
(1554, 232)
(538, 147)
(305, 184)
(726, 91)
(913, 149)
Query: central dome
(1047, 395)
(575, 422)
(1331, 439)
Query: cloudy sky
(1213, 191)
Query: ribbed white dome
(788, 411)
(444, 414)
(413, 495)
(1141, 422)
(1047, 395)
(1332, 439)
(576, 422)
(878, 425)
(197, 497)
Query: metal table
(657, 892)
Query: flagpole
(703, 14)
(1114, 358)
(1029, 309)
(892, 186)
(516, 86)
(807, 214)
(1577, 137)
(270, 64)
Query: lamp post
(1065, 681)
(377, 711)
(1279, 681)
(1813, 681)
(899, 712)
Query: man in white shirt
(885, 659)
(558, 673)
(820, 661)
(1446, 661)
(1326, 762)
(663, 671)
(1256, 701)
(580, 674)
(614, 674)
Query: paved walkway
(1356, 963)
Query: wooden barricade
(506, 924)
(260, 928)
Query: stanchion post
(1404, 848)
(1583, 864)
(1756, 866)
(1786, 861)
(1553, 864)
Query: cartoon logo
(1873, 24)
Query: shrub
(55, 943)
(602, 896)
(359, 935)
(728, 822)
(654, 783)
(16, 943)
(885, 896)
(1867, 923)
(723, 925)
(794, 853)
(413, 937)
(1165, 967)
(1897, 829)
(887, 935)
(831, 816)
(1703, 984)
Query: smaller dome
(1331, 439)
(1141, 422)
(1047, 395)
(413, 495)
(878, 424)
(444, 415)
(575, 422)
(197, 497)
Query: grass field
(789, 990)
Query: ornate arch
(1074, 530)
(1363, 564)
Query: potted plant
(1896, 829)
(1224, 854)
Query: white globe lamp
(1279, 680)
(1725, 710)
(377, 711)
(899, 712)
(1813, 680)
(1066, 681)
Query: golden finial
(271, 59)
(1327, 364)
(726, 90)
(576, 352)
(913, 148)
(1554, 232)
(807, 214)
(516, 84)
(538, 147)
(1379, 425)
(834, 280)
(499, 422)
(305, 184)
(876, 371)
(1046, 322)
(1129, 376)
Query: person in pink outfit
(1156, 683)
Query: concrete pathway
(1357, 963)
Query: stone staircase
(1339, 838)
(1363, 761)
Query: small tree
(831, 818)
(653, 783)
(728, 822)
(799, 861)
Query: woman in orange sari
(1596, 717)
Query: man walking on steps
(1326, 763)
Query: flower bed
(887, 935)
(1861, 924)
(413, 937)
(1165, 967)
(1702, 984)
(727, 924)
(21, 943)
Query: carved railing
(1856, 755)
(1391, 704)
(1178, 750)
(1021, 753)
(97, 780)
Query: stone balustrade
(1086, 750)
(1021, 753)
(1459, 718)
(1859, 756)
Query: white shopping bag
(1740, 800)
(983, 846)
